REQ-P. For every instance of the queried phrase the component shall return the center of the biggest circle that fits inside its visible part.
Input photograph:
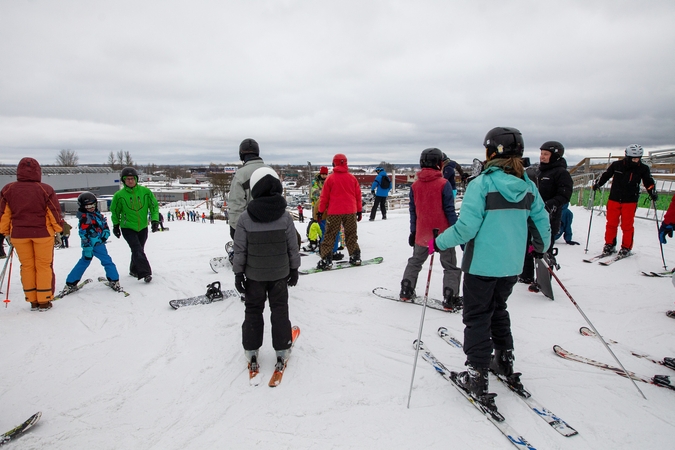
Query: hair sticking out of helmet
(556, 148)
(431, 158)
(128, 172)
(339, 160)
(503, 142)
(634, 151)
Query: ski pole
(9, 278)
(590, 220)
(588, 321)
(4, 268)
(424, 309)
(658, 228)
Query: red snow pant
(623, 213)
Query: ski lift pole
(588, 321)
(424, 309)
(658, 228)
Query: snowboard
(543, 278)
(341, 265)
(17, 431)
(213, 294)
(432, 303)
(220, 262)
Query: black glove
(538, 255)
(292, 279)
(411, 239)
(359, 215)
(572, 243)
(550, 207)
(155, 226)
(319, 216)
(372, 191)
(653, 194)
(665, 230)
(116, 231)
(595, 186)
(240, 282)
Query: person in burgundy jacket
(340, 205)
(31, 216)
(432, 205)
(668, 224)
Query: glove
(550, 207)
(155, 226)
(665, 230)
(538, 255)
(292, 279)
(595, 186)
(240, 282)
(88, 253)
(372, 191)
(433, 247)
(359, 215)
(572, 243)
(411, 239)
(116, 231)
(105, 235)
(653, 194)
(57, 240)
(319, 216)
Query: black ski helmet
(128, 172)
(503, 142)
(248, 147)
(431, 158)
(86, 198)
(556, 148)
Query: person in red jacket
(31, 216)
(432, 205)
(340, 204)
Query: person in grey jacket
(240, 192)
(266, 261)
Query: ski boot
(608, 249)
(355, 258)
(533, 287)
(253, 366)
(69, 288)
(502, 366)
(34, 306)
(213, 291)
(474, 381)
(326, 263)
(407, 293)
(623, 252)
(451, 302)
(44, 306)
(115, 285)
(147, 278)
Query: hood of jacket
(543, 167)
(29, 170)
(428, 174)
(512, 188)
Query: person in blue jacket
(498, 209)
(566, 225)
(380, 189)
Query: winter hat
(323, 170)
(265, 182)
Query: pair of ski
(603, 261)
(19, 430)
(83, 283)
(657, 380)
(254, 375)
(664, 274)
(495, 417)
(432, 303)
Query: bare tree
(128, 160)
(111, 160)
(220, 183)
(120, 157)
(67, 158)
(389, 168)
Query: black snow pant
(382, 203)
(139, 262)
(254, 325)
(486, 320)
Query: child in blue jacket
(94, 232)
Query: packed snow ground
(110, 372)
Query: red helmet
(323, 170)
(339, 160)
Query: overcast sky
(180, 82)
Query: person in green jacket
(130, 206)
(498, 209)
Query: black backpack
(385, 182)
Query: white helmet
(634, 151)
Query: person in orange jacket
(30, 215)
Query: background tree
(388, 167)
(120, 158)
(128, 160)
(112, 162)
(220, 184)
(67, 158)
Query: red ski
(281, 363)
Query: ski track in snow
(111, 372)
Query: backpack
(385, 182)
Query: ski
(341, 265)
(17, 431)
(105, 281)
(667, 362)
(656, 380)
(213, 294)
(597, 257)
(432, 303)
(62, 294)
(615, 259)
(281, 364)
(254, 375)
(496, 419)
(665, 274)
(549, 417)
(670, 314)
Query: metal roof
(52, 170)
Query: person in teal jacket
(498, 209)
(130, 207)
